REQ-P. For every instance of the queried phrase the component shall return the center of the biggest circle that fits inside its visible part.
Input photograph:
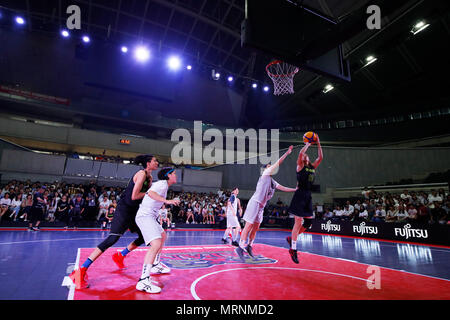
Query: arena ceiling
(406, 78)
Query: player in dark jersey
(301, 203)
(124, 219)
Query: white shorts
(150, 228)
(232, 221)
(254, 212)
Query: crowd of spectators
(74, 203)
(68, 203)
(414, 207)
(200, 208)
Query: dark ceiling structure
(406, 78)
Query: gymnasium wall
(347, 167)
(341, 168)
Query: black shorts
(124, 219)
(301, 204)
(37, 214)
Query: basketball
(310, 137)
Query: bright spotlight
(419, 26)
(174, 63)
(266, 88)
(142, 54)
(124, 49)
(189, 67)
(230, 79)
(254, 86)
(20, 20)
(65, 33)
(86, 39)
(327, 88)
(370, 60)
(215, 75)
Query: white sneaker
(159, 268)
(147, 286)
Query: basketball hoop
(282, 75)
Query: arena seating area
(77, 206)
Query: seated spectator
(423, 214)
(103, 207)
(348, 212)
(405, 195)
(433, 198)
(402, 214)
(391, 214)
(189, 213)
(438, 214)
(204, 214)
(4, 204)
(355, 215)
(371, 208)
(363, 215)
(338, 213)
(15, 206)
(412, 213)
(358, 205)
(27, 204)
(380, 214)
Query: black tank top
(305, 178)
(126, 194)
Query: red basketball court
(214, 272)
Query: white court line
(321, 255)
(196, 297)
(72, 287)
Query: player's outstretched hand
(175, 202)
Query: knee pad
(307, 223)
(108, 242)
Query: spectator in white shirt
(391, 215)
(15, 206)
(380, 214)
(4, 204)
(363, 215)
(338, 212)
(433, 198)
(103, 207)
(405, 195)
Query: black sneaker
(249, 251)
(224, 241)
(235, 243)
(240, 252)
(289, 240)
(293, 254)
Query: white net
(282, 75)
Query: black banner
(410, 232)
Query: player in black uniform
(124, 219)
(301, 203)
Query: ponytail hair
(143, 159)
(163, 174)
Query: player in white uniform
(265, 189)
(233, 211)
(153, 233)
